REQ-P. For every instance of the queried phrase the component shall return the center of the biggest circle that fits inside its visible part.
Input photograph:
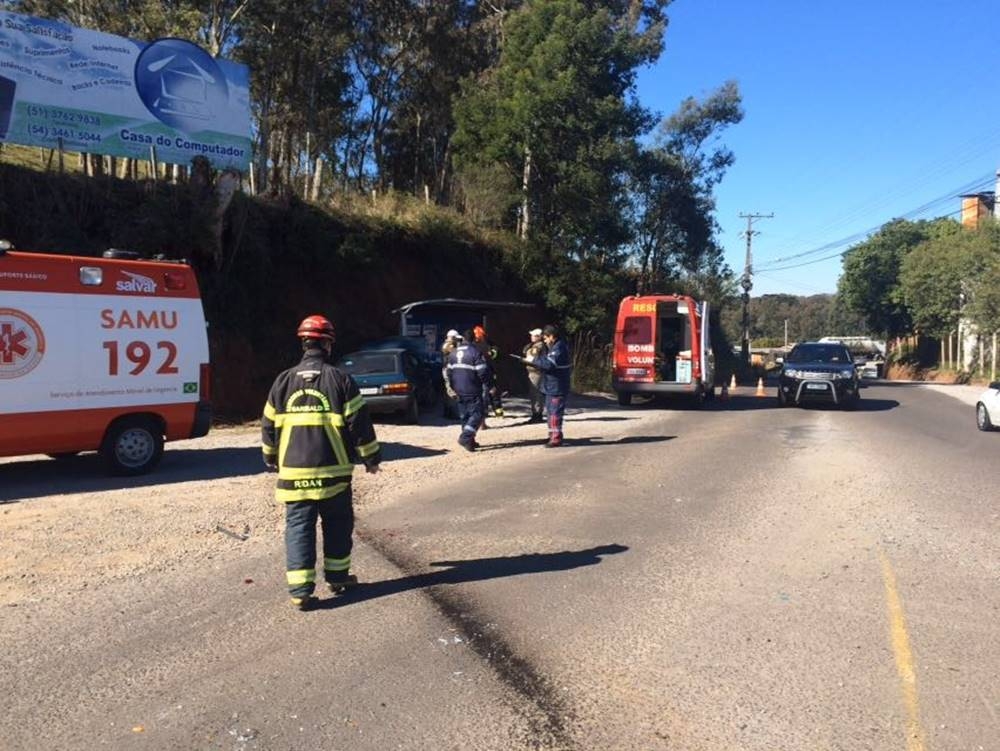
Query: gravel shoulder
(65, 527)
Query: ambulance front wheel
(624, 398)
(132, 446)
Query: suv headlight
(843, 374)
(793, 373)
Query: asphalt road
(739, 577)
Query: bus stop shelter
(430, 320)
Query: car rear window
(368, 363)
(832, 353)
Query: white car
(988, 408)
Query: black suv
(818, 371)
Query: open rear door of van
(707, 355)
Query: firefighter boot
(304, 603)
(340, 586)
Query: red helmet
(316, 327)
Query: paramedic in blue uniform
(468, 373)
(556, 368)
(315, 428)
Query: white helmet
(452, 334)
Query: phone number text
(63, 116)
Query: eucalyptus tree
(297, 55)
(672, 202)
(447, 45)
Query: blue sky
(856, 112)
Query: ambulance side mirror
(5, 245)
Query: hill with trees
(403, 151)
(801, 318)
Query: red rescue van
(662, 346)
(106, 354)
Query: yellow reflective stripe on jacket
(354, 405)
(269, 411)
(368, 449)
(337, 564)
(269, 450)
(332, 435)
(310, 494)
(309, 473)
(335, 439)
(308, 420)
(301, 576)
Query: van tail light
(396, 388)
(205, 382)
(174, 280)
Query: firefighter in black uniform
(468, 372)
(315, 428)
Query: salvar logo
(136, 283)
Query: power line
(968, 151)
(950, 195)
(841, 253)
(798, 285)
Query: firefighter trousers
(470, 410)
(336, 517)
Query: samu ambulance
(662, 346)
(106, 354)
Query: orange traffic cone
(760, 387)
(732, 381)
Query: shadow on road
(574, 442)
(865, 405)
(34, 478)
(474, 570)
(770, 401)
(396, 451)
(608, 418)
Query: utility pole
(747, 283)
(996, 197)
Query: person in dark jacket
(468, 373)
(556, 368)
(315, 428)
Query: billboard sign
(105, 94)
